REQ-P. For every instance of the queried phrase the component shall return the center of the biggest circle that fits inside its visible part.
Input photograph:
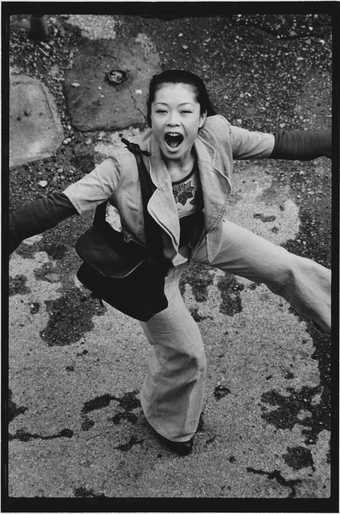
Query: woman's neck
(179, 168)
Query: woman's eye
(186, 112)
(160, 111)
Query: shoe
(180, 447)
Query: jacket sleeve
(97, 186)
(248, 144)
(38, 216)
(302, 145)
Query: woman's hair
(180, 77)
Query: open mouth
(173, 139)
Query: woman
(188, 153)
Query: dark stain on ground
(286, 415)
(84, 352)
(232, 459)
(70, 317)
(26, 251)
(299, 457)
(127, 403)
(87, 423)
(98, 403)
(194, 311)
(13, 409)
(221, 391)
(82, 492)
(230, 292)
(55, 251)
(128, 416)
(125, 447)
(47, 272)
(276, 475)
(24, 436)
(34, 307)
(17, 285)
(263, 217)
(199, 278)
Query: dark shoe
(180, 447)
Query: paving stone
(35, 128)
(96, 104)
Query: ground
(75, 369)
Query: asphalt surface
(75, 369)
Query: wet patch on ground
(199, 278)
(127, 403)
(34, 307)
(97, 403)
(194, 311)
(17, 285)
(13, 409)
(221, 391)
(55, 251)
(24, 436)
(276, 475)
(27, 251)
(82, 492)
(125, 447)
(70, 317)
(299, 457)
(230, 290)
(289, 408)
(47, 273)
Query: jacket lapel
(162, 206)
(214, 181)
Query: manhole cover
(112, 79)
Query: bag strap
(153, 235)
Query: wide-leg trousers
(173, 392)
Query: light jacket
(116, 180)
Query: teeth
(173, 139)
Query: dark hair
(182, 77)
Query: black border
(169, 10)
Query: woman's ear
(203, 117)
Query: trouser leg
(305, 284)
(173, 391)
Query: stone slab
(35, 128)
(94, 103)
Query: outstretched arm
(44, 213)
(302, 145)
(38, 216)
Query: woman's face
(176, 119)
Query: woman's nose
(173, 119)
